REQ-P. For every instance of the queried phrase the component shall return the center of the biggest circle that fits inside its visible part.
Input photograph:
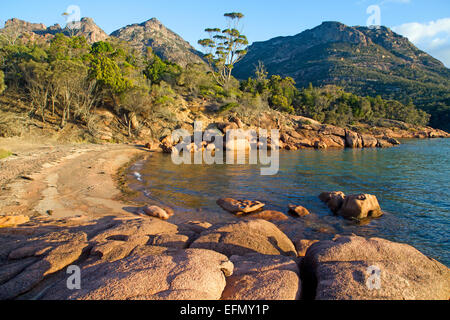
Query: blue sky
(426, 22)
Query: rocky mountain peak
(332, 31)
(24, 26)
(164, 42)
(153, 22)
(90, 30)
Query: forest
(68, 78)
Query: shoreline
(65, 181)
(94, 227)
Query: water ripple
(411, 182)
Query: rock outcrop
(358, 206)
(146, 258)
(302, 133)
(239, 206)
(268, 215)
(34, 31)
(157, 212)
(355, 268)
(28, 263)
(190, 274)
(11, 221)
(241, 238)
(88, 29)
(262, 277)
(298, 211)
(164, 42)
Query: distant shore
(59, 181)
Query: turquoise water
(411, 182)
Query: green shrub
(4, 154)
(158, 70)
(229, 106)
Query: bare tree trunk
(63, 118)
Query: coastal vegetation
(66, 79)
(225, 48)
(4, 154)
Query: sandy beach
(62, 180)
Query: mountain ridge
(88, 28)
(164, 42)
(151, 33)
(363, 60)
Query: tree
(102, 47)
(71, 26)
(36, 76)
(224, 48)
(62, 47)
(157, 70)
(9, 35)
(134, 101)
(72, 76)
(2, 82)
(108, 74)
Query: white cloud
(432, 37)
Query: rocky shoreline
(306, 133)
(138, 258)
(126, 253)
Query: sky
(425, 22)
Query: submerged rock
(269, 215)
(298, 211)
(355, 268)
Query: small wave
(138, 176)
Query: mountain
(17, 28)
(152, 33)
(164, 42)
(90, 31)
(364, 61)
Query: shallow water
(411, 182)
